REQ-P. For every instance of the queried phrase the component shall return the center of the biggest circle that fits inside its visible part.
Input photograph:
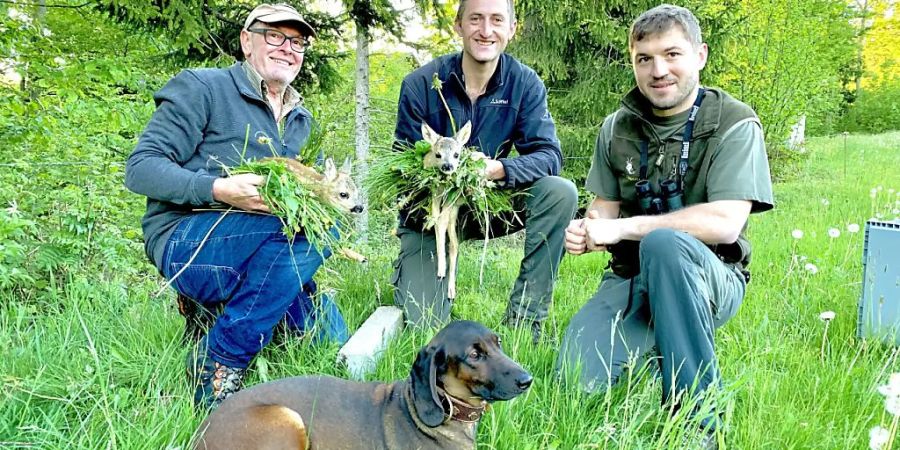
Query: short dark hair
(462, 7)
(661, 19)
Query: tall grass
(100, 364)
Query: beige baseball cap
(279, 12)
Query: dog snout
(524, 381)
(357, 209)
(446, 167)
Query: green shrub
(874, 111)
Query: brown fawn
(445, 155)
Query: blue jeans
(247, 264)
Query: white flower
(853, 228)
(833, 232)
(811, 268)
(878, 438)
(891, 191)
(892, 388)
(892, 405)
(797, 234)
(46, 32)
(879, 216)
(895, 211)
(59, 61)
(873, 192)
(13, 208)
(826, 316)
(825, 202)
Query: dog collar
(460, 411)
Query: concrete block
(363, 350)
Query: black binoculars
(669, 199)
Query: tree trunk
(362, 124)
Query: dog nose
(357, 209)
(447, 168)
(524, 382)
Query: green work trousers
(666, 315)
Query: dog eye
(344, 195)
(456, 155)
(438, 155)
(475, 354)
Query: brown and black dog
(451, 383)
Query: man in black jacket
(507, 105)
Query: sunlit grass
(101, 365)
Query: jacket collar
(708, 117)
(250, 89)
(453, 70)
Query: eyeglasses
(277, 38)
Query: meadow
(99, 363)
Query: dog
(333, 185)
(445, 155)
(453, 380)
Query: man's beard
(683, 93)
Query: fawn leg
(440, 235)
(453, 250)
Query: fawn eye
(344, 195)
(456, 155)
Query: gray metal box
(879, 306)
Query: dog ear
(424, 376)
(462, 136)
(330, 170)
(347, 167)
(428, 134)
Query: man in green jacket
(677, 170)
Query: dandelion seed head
(833, 232)
(878, 438)
(892, 388)
(826, 316)
(811, 268)
(853, 228)
(892, 405)
(797, 234)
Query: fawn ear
(428, 134)
(330, 170)
(347, 167)
(462, 136)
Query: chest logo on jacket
(499, 101)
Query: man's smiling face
(486, 28)
(275, 64)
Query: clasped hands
(593, 234)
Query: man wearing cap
(239, 260)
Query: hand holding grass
(240, 191)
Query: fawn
(445, 155)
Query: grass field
(100, 364)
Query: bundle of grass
(398, 178)
(317, 205)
